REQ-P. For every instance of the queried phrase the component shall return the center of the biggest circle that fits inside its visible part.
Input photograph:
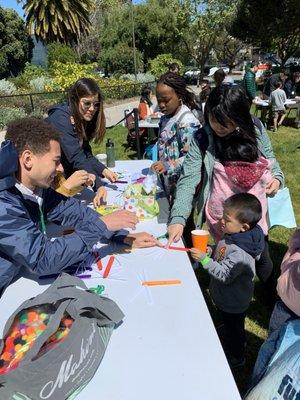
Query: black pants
(266, 274)
(264, 266)
(234, 333)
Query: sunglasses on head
(87, 104)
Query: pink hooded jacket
(288, 286)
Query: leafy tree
(15, 44)
(160, 64)
(119, 59)
(60, 52)
(56, 20)
(269, 24)
(156, 28)
(200, 23)
(228, 50)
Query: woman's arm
(186, 186)
(265, 146)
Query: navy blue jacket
(22, 244)
(74, 156)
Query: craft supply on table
(164, 236)
(178, 248)
(97, 290)
(106, 209)
(141, 198)
(109, 266)
(84, 276)
(161, 283)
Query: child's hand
(158, 167)
(91, 180)
(110, 175)
(77, 179)
(273, 187)
(209, 251)
(197, 255)
(100, 197)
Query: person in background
(218, 75)
(288, 286)
(29, 162)
(146, 106)
(250, 81)
(272, 80)
(277, 100)
(176, 128)
(174, 68)
(230, 135)
(80, 120)
(232, 269)
(205, 91)
(296, 78)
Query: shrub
(30, 72)
(7, 88)
(60, 52)
(39, 84)
(10, 114)
(118, 59)
(64, 75)
(140, 77)
(160, 64)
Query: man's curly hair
(31, 134)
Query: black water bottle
(110, 152)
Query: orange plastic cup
(200, 239)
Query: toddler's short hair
(278, 84)
(246, 206)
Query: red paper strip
(108, 267)
(178, 248)
(99, 264)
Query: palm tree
(58, 20)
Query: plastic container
(110, 152)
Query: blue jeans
(280, 315)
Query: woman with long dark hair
(80, 120)
(145, 105)
(231, 153)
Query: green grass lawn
(286, 145)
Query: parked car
(191, 76)
(225, 68)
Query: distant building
(39, 53)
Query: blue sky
(18, 6)
(12, 4)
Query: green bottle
(110, 152)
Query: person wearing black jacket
(80, 120)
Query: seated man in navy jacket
(29, 161)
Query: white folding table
(166, 347)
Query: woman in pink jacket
(288, 286)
